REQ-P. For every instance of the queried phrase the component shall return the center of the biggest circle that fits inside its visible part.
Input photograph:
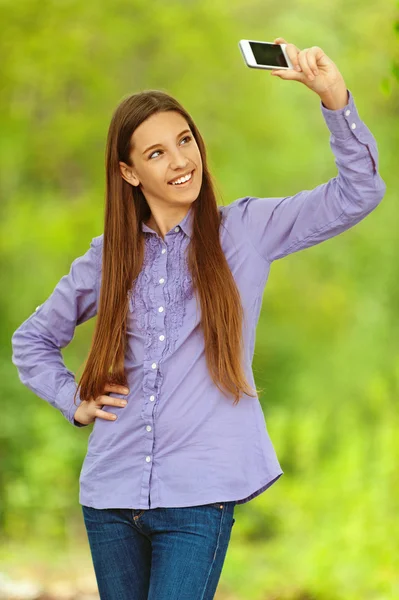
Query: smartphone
(265, 55)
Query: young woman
(176, 282)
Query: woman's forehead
(160, 125)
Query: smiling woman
(153, 142)
(177, 282)
(171, 160)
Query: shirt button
(162, 337)
(148, 458)
(160, 309)
(148, 428)
(161, 280)
(347, 113)
(163, 250)
(176, 229)
(353, 125)
(152, 398)
(154, 365)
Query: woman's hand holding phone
(316, 70)
(88, 411)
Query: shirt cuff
(65, 402)
(343, 121)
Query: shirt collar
(186, 224)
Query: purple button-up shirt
(179, 441)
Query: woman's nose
(178, 160)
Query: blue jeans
(159, 553)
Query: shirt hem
(230, 498)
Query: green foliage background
(327, 341)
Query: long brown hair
(123, 254)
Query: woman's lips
(186, 183)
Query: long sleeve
(280, 226)
(37, 342)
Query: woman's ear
(127, 174)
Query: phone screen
(268, 54)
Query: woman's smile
(186, 183)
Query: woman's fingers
(105, 400)
(293, 55)
(292, 52)
(307, 60)
(111, 401)
(316, 70)
(312, 62)
(303, 61)
(103, 414)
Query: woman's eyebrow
(178, 135)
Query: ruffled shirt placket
(158, 303)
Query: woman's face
(164, 150)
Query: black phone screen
(268, 54)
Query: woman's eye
(155, 151)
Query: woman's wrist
(336, 97)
